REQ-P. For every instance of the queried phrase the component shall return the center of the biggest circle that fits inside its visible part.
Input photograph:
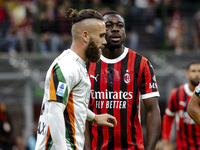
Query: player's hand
(105, 120)
(167, 145)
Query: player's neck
(191, 87)
(79, 50)
(112, 53)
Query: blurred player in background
(188, 132)
(117, 82)
(6, 129)
(194, 105)
(67, 87)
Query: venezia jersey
(188, 132)
(197, 90)
(115, 87)
(66, 82)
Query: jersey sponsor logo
(182, 103)
(111, 95)
(127, 78)
(153, 85)
(61, 89)
(186, 118)
(111, 104)
(95, 78)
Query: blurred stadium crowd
(40, 26)
(158, 29)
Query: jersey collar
(79, 59)
(187, 90)
(110, 61)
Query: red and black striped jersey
(116, 85)
(187, 131)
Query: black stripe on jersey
(110, 82)
(56, 81)
(97, 88)
(87, 65)
(137, 63)
(69, 129)
(49, 143)
(194, 137)
(143, 90)
(152, 75)
(123, 112)
(174, 106)
(177, 101)
(185, 125)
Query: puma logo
(95, 78)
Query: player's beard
(194, 83)
(93, 53)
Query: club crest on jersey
(127, 78)
(61, 89)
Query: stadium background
(148, 24)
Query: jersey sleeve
(166, 126)
(62, 81)
(169, 115)
(172, 107)
(149, 86)
(197, 90)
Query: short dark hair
(192, 63)
(111, 12)
(74, 16)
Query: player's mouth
(115, 39)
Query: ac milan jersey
(115, 88)
(188, 133)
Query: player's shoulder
(137, 54)
(68, 61)
(176, 89)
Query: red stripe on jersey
(167, 125)
(91, 71)
(130, 69)
(196, 130)
(181, 98)
(116, 113)
(137, 123)
(103, 87)
(147, 78)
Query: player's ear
(86, 36)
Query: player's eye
(120, 25)
(108, 25)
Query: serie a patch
(61, 89)
(197, 90)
